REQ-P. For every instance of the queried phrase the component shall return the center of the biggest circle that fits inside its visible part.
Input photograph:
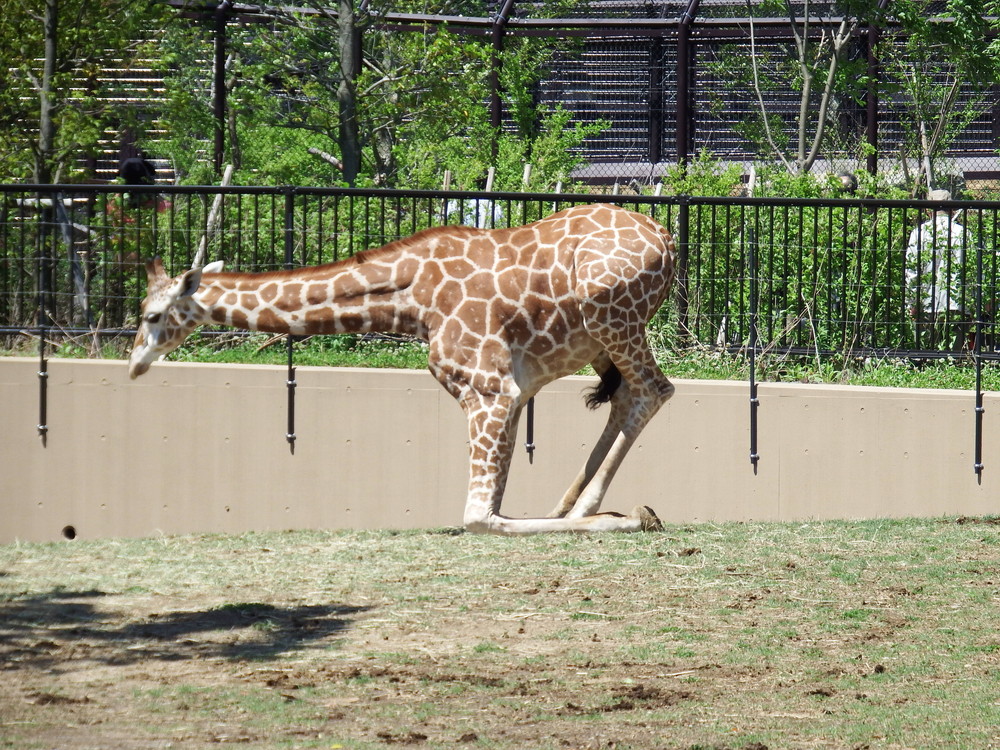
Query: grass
(794, 635)
(697, 363)
(260, 348)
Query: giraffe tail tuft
(601, 393)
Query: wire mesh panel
(608, 80)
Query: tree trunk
(350, 68)
(46, 108)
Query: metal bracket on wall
(291, 383)
(43, 389)
(529, 444)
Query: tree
(942, 61)
(348, 90)
(50, 52)
(319, 91)
(814, 68)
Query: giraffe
(503, 311)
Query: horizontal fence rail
(820, 277)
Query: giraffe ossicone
(504, 312)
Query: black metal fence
(847, 277)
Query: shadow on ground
(41, 631)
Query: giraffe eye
(153, 318)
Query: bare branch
(838, 41)
(330, 158)
(36, 83)
(946, 106)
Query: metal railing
(809, 276)
(914, 279)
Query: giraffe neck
(368, 293)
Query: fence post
(977, 354)
(657, 95)
(290, 382)
(871, 91)
(754, 399)
(46, 216)
(496, 105)
(683, 134)
(871, 100)
(681, 280)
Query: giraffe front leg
(492, 432)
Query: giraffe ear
(188, 283)
(213, 267)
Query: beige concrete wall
(201, 448)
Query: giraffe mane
(364, 256)
(424, 235)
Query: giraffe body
(503, 311)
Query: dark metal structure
(650, 68)
(831, 275)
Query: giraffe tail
(601, 393)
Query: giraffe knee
(658, 389)
(477, 520)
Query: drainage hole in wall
(69, 532)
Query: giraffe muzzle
(139, 362)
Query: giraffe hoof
(648, 518)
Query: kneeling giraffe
(504, 312)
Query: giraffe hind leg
(647, 389)
(609, 389)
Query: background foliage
(421, 97)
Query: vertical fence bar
(978, 358)
(753, 310)
(290, 382)
(771, 266)
(43, 389)
(720, 324)
(43, 321)
(790, 324)
(683, 237)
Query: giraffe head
(169, 314)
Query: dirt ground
(79, 688)
(704, 638)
